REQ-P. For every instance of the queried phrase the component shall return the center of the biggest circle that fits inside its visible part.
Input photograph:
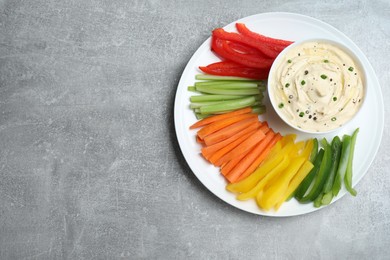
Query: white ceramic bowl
(278, 93)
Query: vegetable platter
(364, 130)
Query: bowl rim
(342, 46)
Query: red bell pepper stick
(242, 48)
(231, 36)
(230, 68)
(241, 28)
(223, 50)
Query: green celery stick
(199, 104)
(243, 92)
(228, 105)
(207, 97)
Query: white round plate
(293, 27)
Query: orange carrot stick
(210, 150)
(264, 128)
(243, 147)
(228, 131)
(217, 155)
(217, 125)
(198, 140)
(212, 119)
(259, 159)
(249, 159)
(228, 166)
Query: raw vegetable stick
(228, 131)
(215, 126)
(207, 98)
(227, 167)
(320, 179)
(298, 178)
(217, 155)
(212, 119)
(241, 28)
(265, 51)
(213, 77)
(228, 85)
(276, 190)
(220, 47)
(218, 69)
(348, 173)
(259, 187)
(260, 158)
(243, 147)
(306, 183)
(210, 150)
(249, 182)
(232, 163)
(240, 168)
(198, 140)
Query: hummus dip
(317, 86)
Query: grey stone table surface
(90, 167)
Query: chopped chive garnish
(323, 76)
(350, 68)
(326, 61)
(333, 119)
(281, 105)
(334, 98)
(301, 114)
(303, 82)
(287, 85)
(289, 61)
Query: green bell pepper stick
(348, 173)
(314, 151)
(336, 153)
(321, 177)
(305, 184)
(318, 201)
(342, 168)
(326, 195)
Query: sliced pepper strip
(230, 68)
(275, 192)
(217, 47)
(243, 48)
(342, 168)
(305, 184)
(251, 60)
(348, 174)
(321, 177)
(231, 36)
(336, 154)
(259, 37)
(326, 196)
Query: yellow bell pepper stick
(275, 192)
(288, 138)
(308, 148)
(274, 151)
(294, 183)
(261, 184)
(249, 182)
(297, 149)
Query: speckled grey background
(90, 167)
